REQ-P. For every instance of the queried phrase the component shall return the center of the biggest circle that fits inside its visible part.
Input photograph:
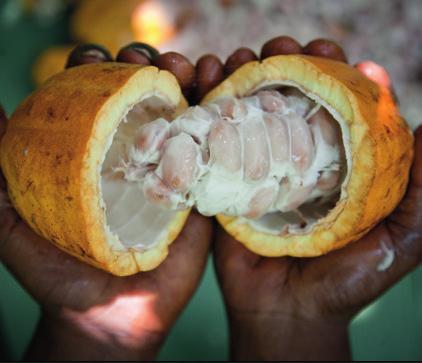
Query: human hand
(295, 308)
(88, 314)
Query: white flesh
(216, 183)
(137, 223)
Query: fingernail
(209, 73)
(179, 66)
(325, 48)
(88, 53)
(137, 53)
(238, 58)
(375, 73)
(280, 45)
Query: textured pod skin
(381, 150)
(52, 152)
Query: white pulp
(244, 157)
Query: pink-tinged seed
(179, 162)
(231, 108)
(279, 137)
(261, 202)
(301, 142)
(152, 136)
(195, 122)
(224, 144)
(256, 156)
(156, 191)
(296, 195)
(329, 127)
(271, 101)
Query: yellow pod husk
(378, 143)
(53, 149)
(56, 141)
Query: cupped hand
(89, 313)
(299, 308)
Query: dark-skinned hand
(278, 308)
(89, 314)
(299, 308)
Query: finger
(180, 67)
(21, 250)
(379, 259)
(137, 53)
(30, 258)
(230, 256)
(405, 224)
(325, 48)
(39, 265)
(237, 59)
(8, 217)
(407, 218)
(280, 45)
(3, 120)
(209, 73)
(192, 245)
(379, 75)
(416, 172)
(357, 274)
(374, 72)
(88, 53)
(3, 124)
(189, 252)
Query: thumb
(231, 256)
(188, 253)
(375, 73)
(391, 250)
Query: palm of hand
(60, 282)
(334, 286)
(56, 279)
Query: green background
(388, 329)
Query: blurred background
(37, 35)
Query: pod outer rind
(52, 153)
(379, 140)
